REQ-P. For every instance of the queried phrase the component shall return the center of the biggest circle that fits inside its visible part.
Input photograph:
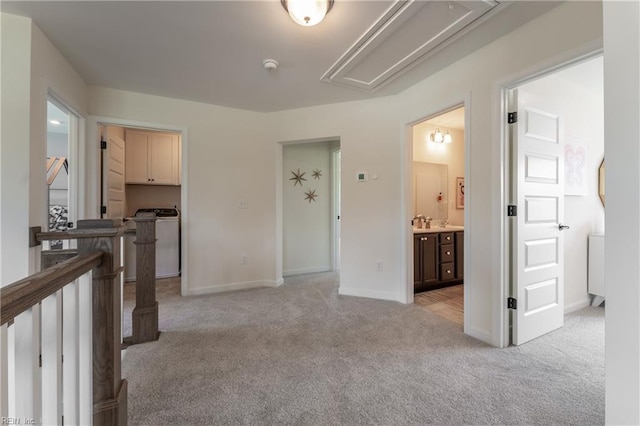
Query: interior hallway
(303, 354)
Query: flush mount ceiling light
(307, 12)
(439, 137)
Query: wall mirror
(431, 194)
(601, 182)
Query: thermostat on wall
(362, 176)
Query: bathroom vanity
(437, 257)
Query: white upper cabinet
(152, 158)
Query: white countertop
(437, 228)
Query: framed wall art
(460, 192)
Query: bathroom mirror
(431, 196)
(601, 182)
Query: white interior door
(113, 166)
(538, 238)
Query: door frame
(93, 188)
(280, 202)
(509, 178)
(74, 142)
(407, 205)
(336, 206)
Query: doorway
(438, 170)
(563, 110)
(310, 207)
(61, 169)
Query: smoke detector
(270, 64)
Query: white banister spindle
(85, 349)
(51, 353)
(4, 371)
(70, 349)
(27, 382)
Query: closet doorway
(311, 207)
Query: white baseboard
(372, 294)
(576, 306)
(301, 271)
(232, 286)
(482, 335)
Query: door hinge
(40, 360)
(512, 117)
(512, 210)
(103, 209)
(103, 144)
(512, 303)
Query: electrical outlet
(379, 265)
(244, 259)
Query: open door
(113, 184)
(538, 243)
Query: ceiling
(212, 51)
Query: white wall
(581, 107)
(14, 147)
(31, 67)
(622, 244)
(230, 158)
(306, 225)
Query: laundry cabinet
(152, 158)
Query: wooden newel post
(145, 314)
(109, 390)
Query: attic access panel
(407, 33)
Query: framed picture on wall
(460, 192)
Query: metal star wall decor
(298, 177)
(316, 174)
(310, 195)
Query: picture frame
(460, 192)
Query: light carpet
(301, 354)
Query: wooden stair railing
(36, 328)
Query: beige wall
(151, 196)
(450, 154)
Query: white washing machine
(167, 245)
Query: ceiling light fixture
(55, 122)
(307, 12)
(270, 64)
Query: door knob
(562, 227)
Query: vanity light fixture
(439, 137)
(307, 12)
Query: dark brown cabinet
(437, 259)
(425, 264)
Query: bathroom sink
(437, 228)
